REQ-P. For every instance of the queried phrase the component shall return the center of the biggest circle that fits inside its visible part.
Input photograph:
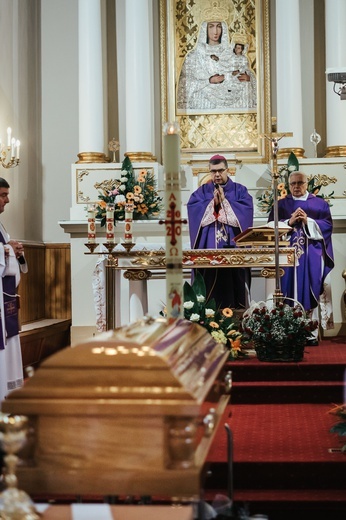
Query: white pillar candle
(91, 224)
(18, 146)
(9, 132)
(128, 223)
(174, 253)
(13, 144)
(110, 223)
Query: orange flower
(235, 344)
(214, 325)
(102, 204)
(227, 312)
(281, 186)
(142, 176)
(137, 189)
(283, 193)
(142, 208)
(129, 195)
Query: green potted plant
(221, 323)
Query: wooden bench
(43, 338)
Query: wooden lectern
(263, 236)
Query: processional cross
(274, 139)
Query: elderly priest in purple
(311, 236)
(218, 211)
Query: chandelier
(9, 155)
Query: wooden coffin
(132, 411)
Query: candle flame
(171, 128)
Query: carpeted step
(327, 362)
(279, 447)
(287, 504)
(285, 392)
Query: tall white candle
(174, 253)
(128, 223)
(18, 146)
(9, 132)
(110, 222)
(91, 223)
(13, 144)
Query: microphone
(21, 259)
(216, 185)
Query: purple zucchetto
(217, 158)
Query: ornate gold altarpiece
(131, 412)
(139, 265)
(220, 130)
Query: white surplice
(11, 367)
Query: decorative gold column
(91, 98)
(141, 156)
(335, 20)
(289, 76)
(92, 157)
(284, 153)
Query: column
(136, 79)
(138, 299)
(335, 20)
(288, 76)
(91, 105)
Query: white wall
(59, 112)
(20, 109)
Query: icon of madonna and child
(216, 74)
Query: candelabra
(9, 155)
(110, 238)
(15, 504)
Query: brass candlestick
(14, 503)
(128, 246)
(109, 246)
(91, 246)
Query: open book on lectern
(263, 235)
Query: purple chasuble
(10, 305)
(227, 286)
(310, 274)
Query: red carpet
(283, 459)
(280, 421)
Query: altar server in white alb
(12, 262)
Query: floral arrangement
(220, 323)
(278, 331)
(340, 426)
(139, 190)
(266, 200)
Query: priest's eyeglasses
(221, 170)
(297, 183)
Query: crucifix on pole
(274, 139)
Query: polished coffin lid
(132, 411)
(150, 359)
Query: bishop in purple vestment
(218, 211)
(312, 226)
